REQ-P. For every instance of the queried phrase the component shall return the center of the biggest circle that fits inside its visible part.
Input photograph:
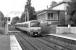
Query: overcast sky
(16, 7)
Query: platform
(14, 45)
(9, 42)
(4, 42)
(67, 36)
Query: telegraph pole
(27, 15)
(27, 6)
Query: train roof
(28, 22)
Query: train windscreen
(35, 24)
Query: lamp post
(6, 25)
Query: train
(32, 27)
(36, 28)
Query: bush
(2, 30)
(47, 29)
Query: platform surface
(14, 44)
(4, 42)
(67, 36)
(9, 42)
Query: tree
(31, 10)
(22, 17)
(53, 3)
(1, 16)
(8, 18)
(15, 20)
(32, 15)
(72, 12)
(2, 19)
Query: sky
(11, 8)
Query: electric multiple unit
(33, 27)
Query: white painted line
(71, 38)
(14, 45)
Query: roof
(28, 22)
(59, 4)
(51, 7)
(48, 10)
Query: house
(54, 14)
(50, 16)
(62, 6)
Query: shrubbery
(2, 30)
(47, 29)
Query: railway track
(65, 44)
(40, 43)
(24, 43)
(54, 44)
(34, 44)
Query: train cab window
(35, 24)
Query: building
(52, 16)
(57, 13)
(62, 6)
